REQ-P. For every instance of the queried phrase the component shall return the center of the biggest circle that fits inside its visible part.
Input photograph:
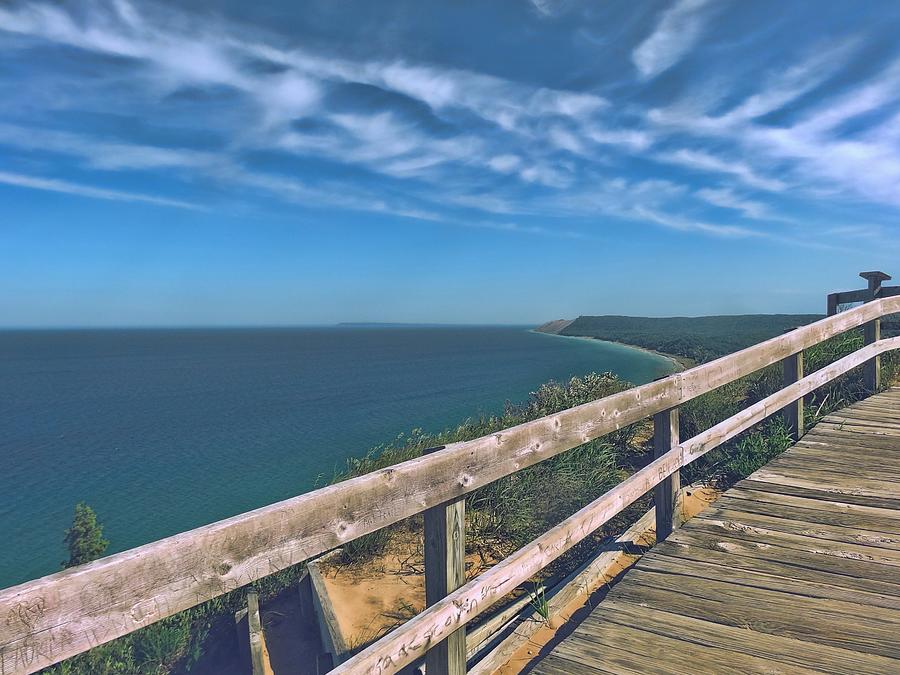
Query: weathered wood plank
(259, 655)
(813, 558)
(750, 497)
(724, 569)
(882, 415)
(871, 334)
(784, 653)
(329, 628)
(781, 563)
(822, 480)
(653, 652)
(850, 449)
(856, 417)
(668, 492)
(827, 622)
(831, 435)
(815, 492)
(823, 514)
(833, 464)
(445, 571)
(850, 535)
(803, 542)
(554, 665)
(792, 368)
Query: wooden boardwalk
(795, 569)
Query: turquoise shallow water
(165, 430)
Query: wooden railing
(50, 619)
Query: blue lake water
(165, 430)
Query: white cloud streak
(503, 147)
(79, 190)
(675, 34)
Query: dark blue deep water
(164, 430)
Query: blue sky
(218, 163)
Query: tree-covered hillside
(699, 338)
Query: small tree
(85, 538)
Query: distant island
(689, 339)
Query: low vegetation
(512, 511)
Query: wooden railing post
(445, 571)
(666, 493)
(793, 413)
(259, 657)
(872, 332)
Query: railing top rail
(54, 617)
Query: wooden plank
(329, 628)
(813, 558)
(751, 497)
(890, 415)
(857, 417)
(827, 480)
(725, 569)
(833, 436)
(667, 493)
(875, 406)
(739, 520)
(825, 483)
(836, 455)
(827, 622)
(872, 368)
(870, 415)
(768, 536)
(652, 652)
(784, 653)
(860, 428)
(259, 655)
(554, 665)
(486, 636)
(445, 571)
(780, 563)
(848, 297)
(846, 461)
(88, 605)
(848, 448)
(814, 492)
(883, 450)
(836, 463)
(822, 514)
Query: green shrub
(85, 538)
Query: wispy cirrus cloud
(271, 115)
(66, 187)
(675, 33)
(100, 154)
(701, 160)
(727, 198)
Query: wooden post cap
(875, 276)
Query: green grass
(539, 603)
